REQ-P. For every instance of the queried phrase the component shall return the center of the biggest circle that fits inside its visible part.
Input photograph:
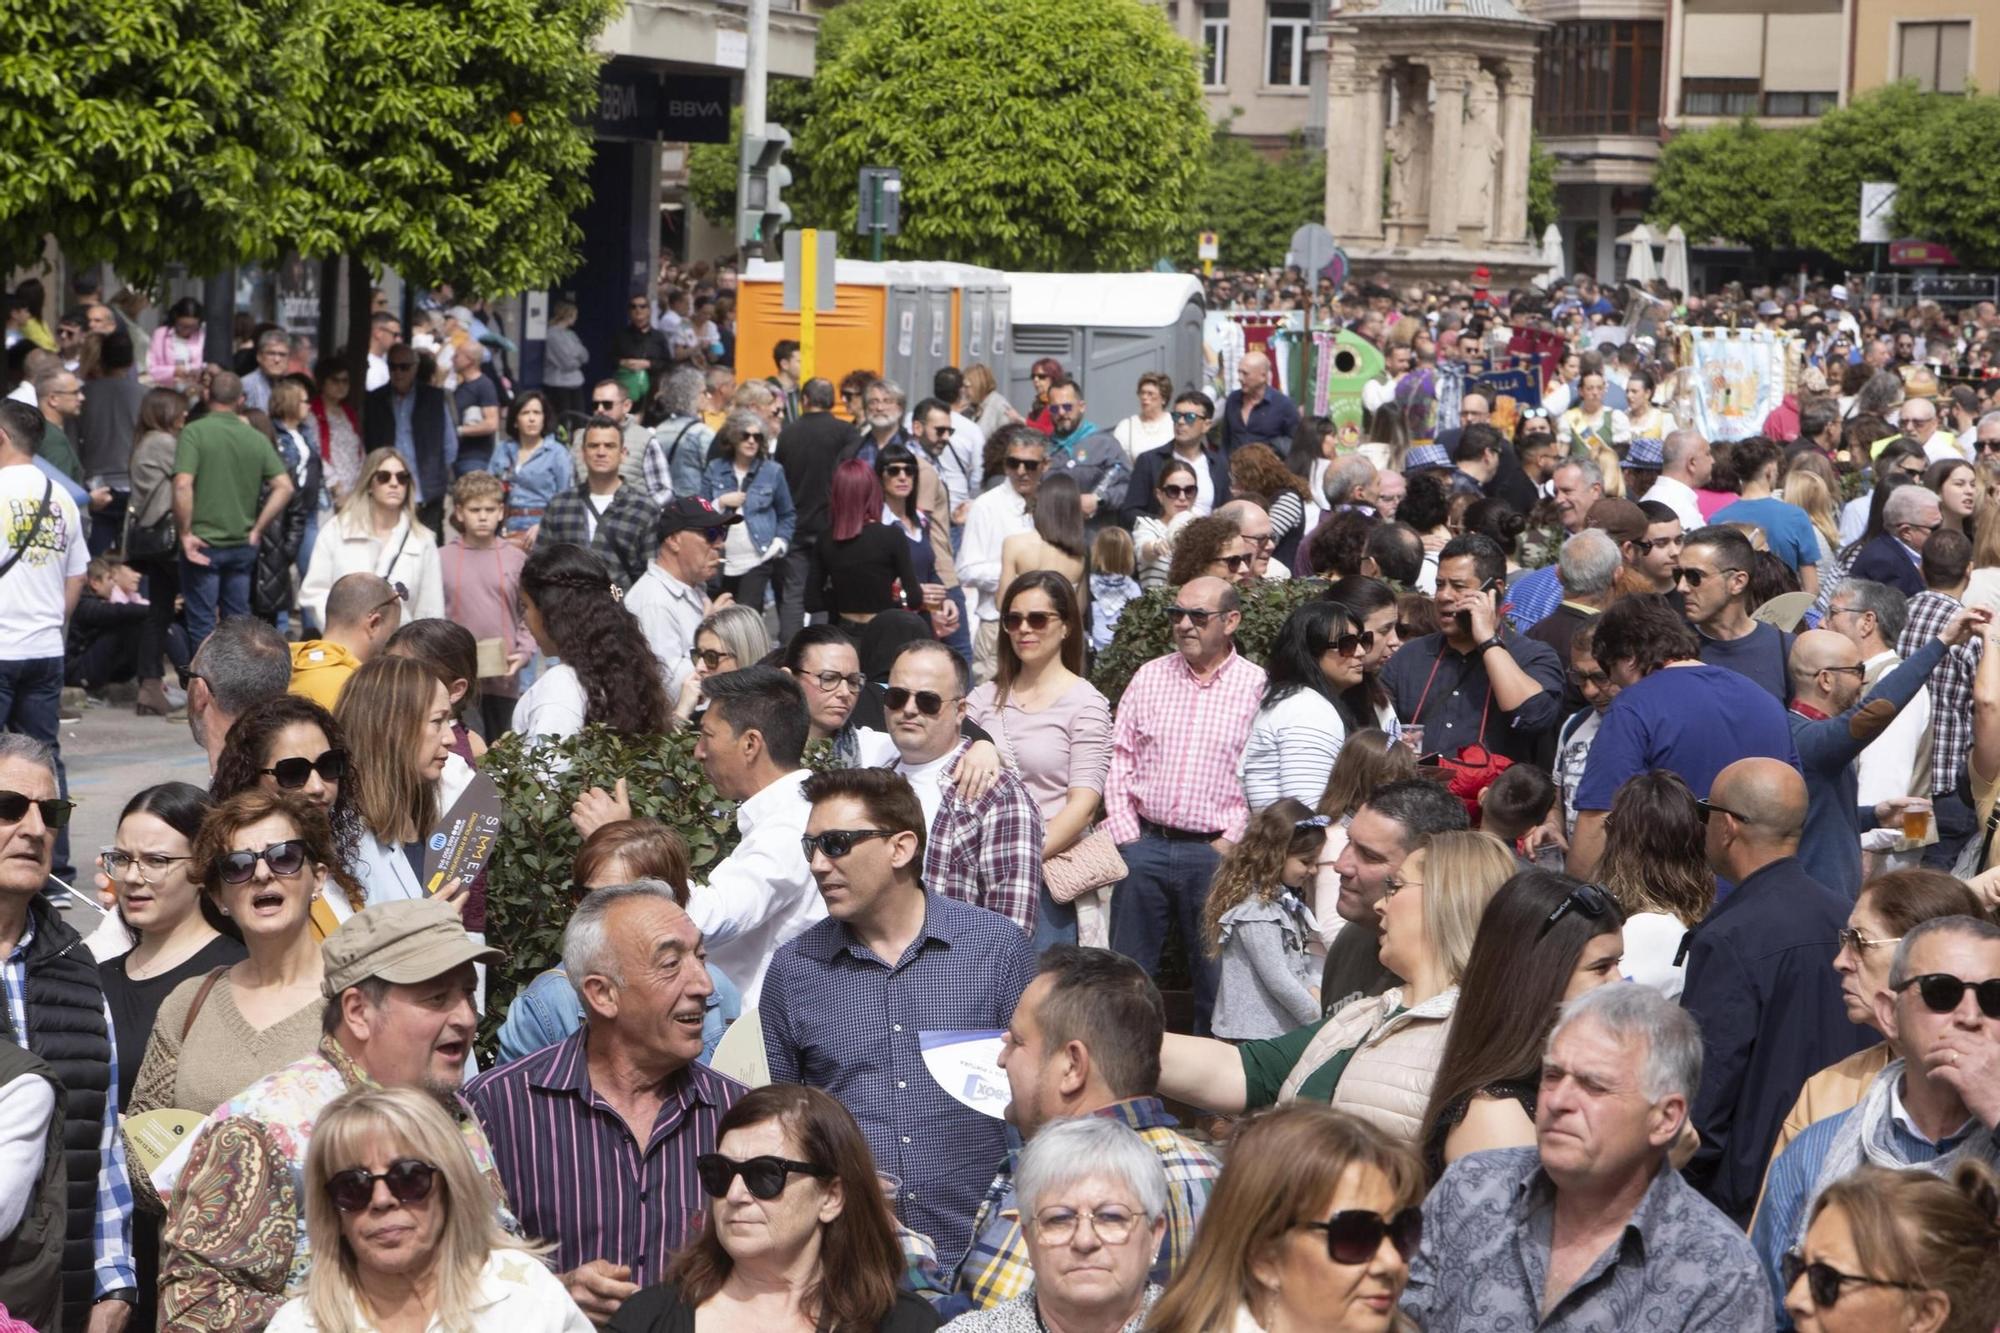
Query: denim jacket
(767, 500)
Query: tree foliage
(1948, 195)
(1252, 203)
(1731, 181)
(1872, 138)
(1542, 209)
(1143, 633)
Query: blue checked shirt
(113, 1235)
(1951, 685)
(1534, 596)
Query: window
(1719, 97)
(1285, 29)
(1799, 104)
(1215, 43)
(1936, 55)
(1599, 77)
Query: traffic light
(761, 209)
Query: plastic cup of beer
(1917, 822)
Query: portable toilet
(1107, 329)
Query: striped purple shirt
(576, 1177)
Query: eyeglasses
(605, 404)
(14, 809)
(384, 477)
(1187, 418)
(1941, 992)
(1693, 577)
(1347, 645)
(1586, 899)
(1353, 1235)
(941, 432)
(1024, 464)
(838, 842)
(709, 657)
(898, 470)
(1850, 938)
(150, 865)
(285, 858)
(398, 367)
(1061, 409)
(1924, 527)
(1823, 1281)
(1194, 615)
(764, 1177)
(1034, 620)
(1858, 672)
(409, 1181)
(1395, 884)
(1112, 1224)
(1180, 492)
(930, 703)
(293, 773)
(829, 681)
(757, 435)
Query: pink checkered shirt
(1175, 746)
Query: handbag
(1092, 862)
(150, 541)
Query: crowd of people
(1566, 912)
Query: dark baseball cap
(688, 512)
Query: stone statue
(1479, 150)
(1409, 142)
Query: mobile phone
(1465, 617)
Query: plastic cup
(1916, 824)
(1413, 736)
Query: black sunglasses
(1195, 615)
(1587, 899)
(284, 858)
(930, 703)
(1941, 992)
(1235, 562)
(1704, 808)
(409, 1181)
(1823, 1281)
(838, 842)
(764, 1177)
(1180, 492)
(1034, 620)
(383, 476)
(898, 470)
(55, 810)
(604, 404)
(395, 366)
(1349, 644)
(292, 773)
(1024, 464)
(709, 657)
(1353, 1235)
(1693, 577)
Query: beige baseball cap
(402, 942)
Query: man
(882, 404)
(1592, 1228)
(1254, 525)
(670, 599)
(1476, 682)
(596, 1137)
(761, 895)
(1475, 459)
(56, 1011)
(1908, 1117)
(808, 450)
(1947, 571)
(399, 984)
(948, 387)
(1987, 440)
(1578, 485)
(478, 404)
(1674, 711)
(1652, 562)
(996, 515)
(362, 611)
(1715, 592)
(1760, 980)
(1919, 420)
(1686, 462)
(1643, 460)
(221, 463)
(1390, 488)
(1191, 414)
(415, 420)
(986, 852)
(1832, 726)
(1393, 821)
(604, 515)
(1538, 450)
(244, 662)
(1589, 563)
(956, 463)
(1172, 799)
(785, 356)
(1396, 363)
(1084, 1040)
(1092, 458)
(1897, 762)
(1394, 553)
(384, 332)
(1909, 517)
(1788, 532)
(33, 1183)
(913, 961)
(609, 399)
(1256, 413)
(1590, 682)
(639, 349)
(274, 362)
(1819, 427)
(59, 393)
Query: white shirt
(1853, 516)
(670, 613)
(24, 392)
(995, 516)
(25, 1107)
(1139, 435)
(763, 894)
(34, 596)
(408, 555)
(1678, 496)
(1944, 448)
(1652, 942)
(378, 371)
(1290, 750)
(516, 1293)
(553, 706)
(927, 780)
(1888, 767)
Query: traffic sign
(1210, 247)
(1878, 212)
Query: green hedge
(1143, 633)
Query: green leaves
(1253, 203)
(1143, 633)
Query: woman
(1372, 603)
(1654, 865)
(929, 536)
(1312, 1226)
(452, 655)
(799, 1237)
(1092, 1197)
(746, 480)
(339, 431)
(624, 851)
(865, 564)
(1053, 728)
(1153, 537)
(1302, 721)
(534, 465)
(1377, 1056)
(728, 640)
(377, 531)
(1257, 473)
(1527, 962)
(1956, 486)
(1899, 1250)
(991, 410)
(1043, 374)
(1149, 427)
(1493, 518)
(403, 1233)
(1811, 492)
(1057, 541)
(1559, 391)
(397, 715)
(150, 543)
(290, 744)
(1647, 422)
(573, 611)
(1591, 426)
(1210, 547)
(174, 354)
(1315, 446)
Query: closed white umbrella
(1553, 264)
(1639, 263)
(1675, 267)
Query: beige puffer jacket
(1388, 1080)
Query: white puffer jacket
(1388, 1080)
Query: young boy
(482, 591)
(104, 629)
(1515, 802)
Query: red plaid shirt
(1175, 745)
(989, 852)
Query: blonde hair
(288, 400)
(357, 499)
(472, 488)
(1613, 468)
(1113, 553)
(406, 1123)
(1462, 871)
(979, 381)
(1805, 488)
(742, 632)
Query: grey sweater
(1263, 986)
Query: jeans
(748, 587)
(1957, 821)
(1055, 923)
(218, 590)
(1166, 883)
(960, 642)
(31, 704)
(107, 526)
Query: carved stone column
(1346, 148)
(1451, 77)
(1517, 103)
(1370, 100)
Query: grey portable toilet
(1107, 329)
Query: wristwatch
(1485, 644)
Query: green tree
(1542, 208)
(1872, 138)
(1946, 192)
(1252, 203)
(1736, 182)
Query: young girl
(1112, 564)
(1258, 926)
(482, 591)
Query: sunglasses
(409, 1181)
(899, 470)
(292, 773)
(1850, 938)
(14, 809)
(388, 478)
(1651, 544)
(942, 432)
(1061, 409)
(837, 842)
(1235, 562)
(1587, 899)
(1186, 418)
(764, 1177)
(930, 703)
(1024, 464)
(1703, 809)
(1693, 577)
(1347, 645)
(1941, 992)
(604, 404)
(1194, 615)
(1353, 1235)
(1823, 1281)
(1034, 620)
(1180, 492)
(398, 367)
(709, 657)
(830, 681)
(285, 858)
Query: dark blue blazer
(1885, 561)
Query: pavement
(112, 753)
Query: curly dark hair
(1427, 503)
(597, 638)
(1199, 546)
(1644, 629)
(1257, 471)
(1337, 545)
(247, 749)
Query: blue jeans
(1166, 882)
(218, 590)
(31, 704)
(1055, 923)
(960, 642)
